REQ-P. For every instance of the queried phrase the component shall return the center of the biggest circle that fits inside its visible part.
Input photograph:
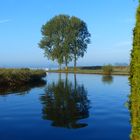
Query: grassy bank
(118, 70)
(19, 77)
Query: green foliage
(134, 106)
(135, 54)
(135, 80)
(79, 38)
(107, 69)
(54, 40)
(64, 38)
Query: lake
(78, 107)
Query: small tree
(107, 69)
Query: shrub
(107, 69)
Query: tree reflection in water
(22, 89)
(65, 104)
(107, 79)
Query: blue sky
(110, 23)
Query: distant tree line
(64, 39)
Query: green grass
(16, 77)
(116, 71)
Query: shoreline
(11, 78)
(88, 72)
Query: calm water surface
(68, 107)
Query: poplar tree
(135, 54)
(135, 80)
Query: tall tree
(135, 80)
(135, 54)
(79, 38)
(65, 38)
(53, 42)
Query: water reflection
(23, 89)
(107, 79)
(65, 104)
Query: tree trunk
(66, 68)
(60, 66)
(75, 64)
